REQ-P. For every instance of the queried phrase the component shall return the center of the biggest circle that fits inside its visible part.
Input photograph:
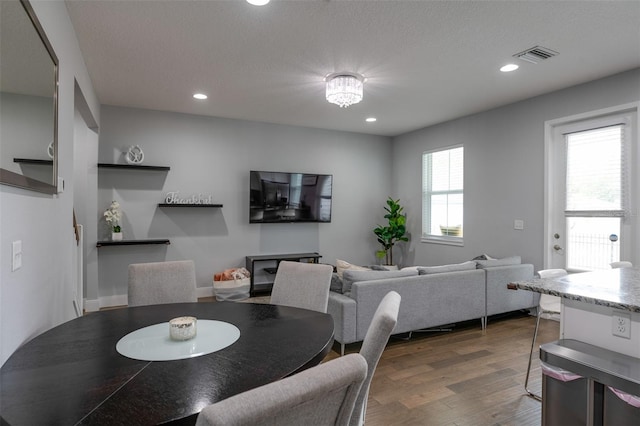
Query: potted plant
(392, 233)
(112, 216)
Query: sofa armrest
(343, 311)
(499, 298)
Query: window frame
(623, 121)
(426, 236)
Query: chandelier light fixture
(344, 89)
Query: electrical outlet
(621, 324)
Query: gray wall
(504, 165)
(39, 296)
(213, 156)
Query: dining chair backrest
(548, 303)
(162, 282)
(302, 285)
(621, 264)
(552, 273)
(321, 395)
(378, 333)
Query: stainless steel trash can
(585, 400)
(564, 397)
(620, 408)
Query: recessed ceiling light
(371, 119)
(258, 2)
(509, 68)
(200, 96)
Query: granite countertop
(615, 288)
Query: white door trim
(550, 180)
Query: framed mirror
(28, 101)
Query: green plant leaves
(394, 231)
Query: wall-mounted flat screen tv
(277, 197)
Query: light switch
(518, 224)
(16, 255)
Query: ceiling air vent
(536, 54)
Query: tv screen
(277, 197)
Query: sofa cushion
(464, 266)
(507, 261)
(350, 276)
(342, 266)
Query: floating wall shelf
(189, 205)
(132, 166)
(33, 161)
(132, 242)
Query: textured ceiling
(425, 61)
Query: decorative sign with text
(175, 198)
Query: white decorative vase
(116, 236)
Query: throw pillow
(413, 268)
(350, 276)
(377, 268)
(389, 267)
(336, 283)
(507, 261)
(342, 266)
(483, 257)
(465, 266)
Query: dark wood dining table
(73, 374)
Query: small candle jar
(182, 328)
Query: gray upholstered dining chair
(321, 395)
(162, 282)
(378, 333)
(302, 285)
(548, 305)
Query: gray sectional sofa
(431, 296)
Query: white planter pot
(116, 236)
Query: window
(596, 196)
(442, 195)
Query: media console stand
(263, 274)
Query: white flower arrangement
(113, 215)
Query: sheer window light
(596, 196)
(443, 195)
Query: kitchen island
(595, 305)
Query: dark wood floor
(463, 377)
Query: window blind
(595, 176)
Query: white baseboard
(110, 301)
(204, 291)
(121, 300)
(91, 305)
